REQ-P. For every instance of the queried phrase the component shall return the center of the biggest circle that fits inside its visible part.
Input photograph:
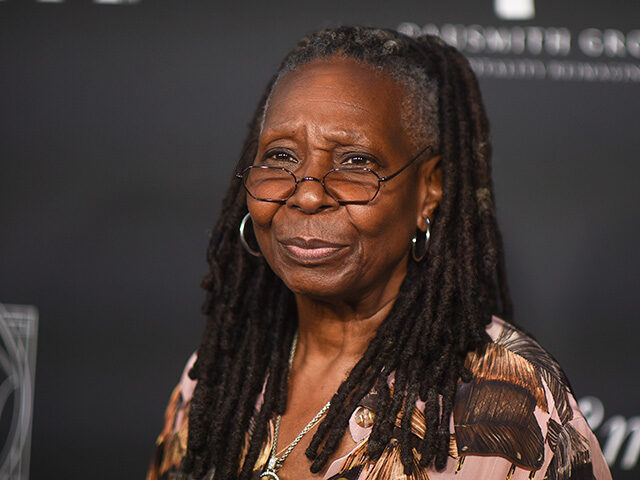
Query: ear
(430, 190)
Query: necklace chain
(275, 462)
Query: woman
(355, 274)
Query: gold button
(364, 417)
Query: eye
(280, 158)
(359, 160)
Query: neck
(338, 332)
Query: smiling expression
(332, 113)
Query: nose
(310, 195)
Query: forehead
(340, 94)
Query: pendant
(271, 469)
(270, 474)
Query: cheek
(392, 212)
(385, 229)
(262, 214)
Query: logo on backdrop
(514, 51)
(18, 331)
(514, 9)
(618, 436)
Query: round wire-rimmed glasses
(357, 185)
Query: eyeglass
(358, 185)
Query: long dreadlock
(441, 312)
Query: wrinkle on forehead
(325, 100)
(420, 106)
(334, 99)
(289, 121)
(291, 129)
(317, 79)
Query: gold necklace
(275, 463)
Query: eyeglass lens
(344, 185)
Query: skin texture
(344, 263)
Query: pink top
(515, 420)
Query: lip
(311, 250)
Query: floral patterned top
(517, 419)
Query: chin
(319, 285)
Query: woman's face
(339, 113)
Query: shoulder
(519, 406)
(171, 444)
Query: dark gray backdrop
(119, 128)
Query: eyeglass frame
(297, 181)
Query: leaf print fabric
(516, 419)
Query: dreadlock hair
(440, 314)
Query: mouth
(311, 250)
